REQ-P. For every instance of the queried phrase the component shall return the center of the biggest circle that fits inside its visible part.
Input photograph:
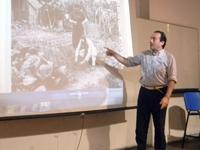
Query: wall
(182, 43)
(179, 12)
(113, 130)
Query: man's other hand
(164, 102)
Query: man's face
(155, 43)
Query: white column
(5, 46)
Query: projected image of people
(57, 44)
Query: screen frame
(5, 57)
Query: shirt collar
(157, 52)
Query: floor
(191, 144)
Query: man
(158, 79)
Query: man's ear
(162, 43)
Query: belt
(154, 87)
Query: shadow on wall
(97, 127)
(99, 133)
(177, 119)
(99, 138)
(27, 127)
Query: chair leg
(199, 118)
(183, 141)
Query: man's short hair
(163, 37)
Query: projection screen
(52, 55)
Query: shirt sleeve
(134, 61)
(172, 70)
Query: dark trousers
(149, 104)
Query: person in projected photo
(158, 79)
(78, 19)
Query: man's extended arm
(117, 56)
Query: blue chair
(192, 105)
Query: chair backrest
(192, 101)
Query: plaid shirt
(157, 68)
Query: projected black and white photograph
(56, 44)
(58, 53)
